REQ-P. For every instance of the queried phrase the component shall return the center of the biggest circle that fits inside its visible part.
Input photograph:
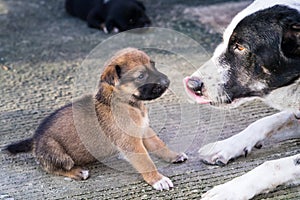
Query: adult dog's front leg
(241, 144)
(262, 179)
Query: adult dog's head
(260, 53)
(132, 75)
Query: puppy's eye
(141, 76)
(131, 21)
(239, 47)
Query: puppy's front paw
(163, 184)
(116, 30)
(182, 157)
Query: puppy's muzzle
(161, 86)
(153, 90)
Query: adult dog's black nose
(195, 84)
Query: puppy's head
(133, 75)
(126, 15)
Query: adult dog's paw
(225, 191)
(221, 152)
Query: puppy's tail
(20, 147)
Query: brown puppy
(114, 120)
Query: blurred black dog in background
(109, 15)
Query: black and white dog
(259, 57)
(110, 15)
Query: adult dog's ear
(291, 41)
(111, 75)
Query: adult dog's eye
(265, 70)
(239, 47)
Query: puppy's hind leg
(156, 146)
(54, 159)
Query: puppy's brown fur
(113, 120)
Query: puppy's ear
(104, 93)
(118, 71)
(141, 5)
(291, 41)
(111, 75)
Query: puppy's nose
(195, 84)
(164, 82)
(147, 22)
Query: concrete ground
(41, 54)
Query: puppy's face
(133, 74)
(126, 15)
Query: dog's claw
(205, 162)
(220, 163)
(258, 145)
(297, 115)
(245, 152)
(181, 158)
